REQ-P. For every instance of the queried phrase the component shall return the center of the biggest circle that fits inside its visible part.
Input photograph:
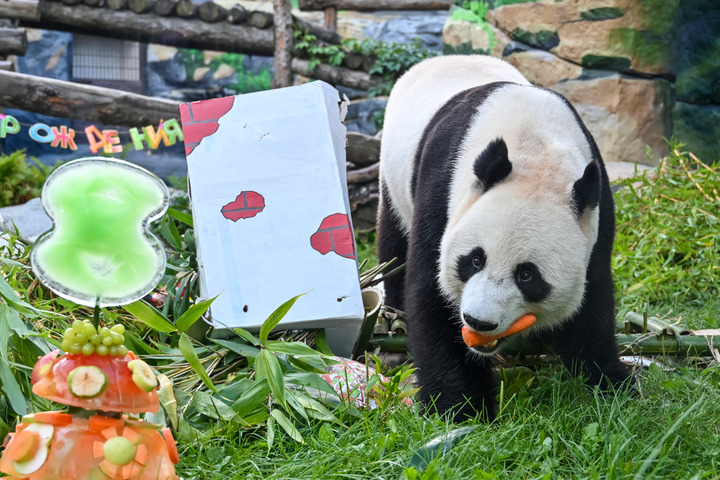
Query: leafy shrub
(20, 181)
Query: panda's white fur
(527, 216)
(530, 215)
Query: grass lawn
(261, 425)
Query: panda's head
(514, 248)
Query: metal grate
(96, 58)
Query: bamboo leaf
(191, 357)
(192, 314)
(321, 342)
(249, 337)
(268, 366)
(275, 318)
(270, 436)
(287, 425)
(12, 390)
(255, 394)
(247, 351)
(7, 292)
(439, 446)
(150, 316)
(185, 218)
(292, 348)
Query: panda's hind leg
(392, 243)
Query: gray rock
(412, 26)
(29, 218)
(49, 56)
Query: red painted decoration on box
(200, 119)
(334, 235)
(246, 205)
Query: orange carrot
(57, 419)
(172, 446)
(475, 339)
(24, 446)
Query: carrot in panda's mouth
(475, 339)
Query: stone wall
(637, 71)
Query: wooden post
(282, 57)
(331, 18)
(20, 9)
(13, 41)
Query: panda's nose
(479, 325)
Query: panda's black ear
(586, 191)
(492, 166)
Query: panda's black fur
(453, 379)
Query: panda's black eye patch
(471, 263)
(532, 285)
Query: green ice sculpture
(99, 252)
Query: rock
(29, 218)
(620, 170)
(543, 68)
(160, 53)
(47, 55)
(624, 114)
(362, 114)
(464, 37)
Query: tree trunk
(13, 41)
(86, 102)
(364, 175)
(336, 75)
(165, 8)
(94, 3)
(7, 65)
(141, 6)
(374, 5)
(320, 32)
(283, 76)
(237, 14)
(187, 9)
(330, 18)
(362, 150)
(117, 5)
(151, 28)
(261, 20)
(211, 12)
(20, 9)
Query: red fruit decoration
(200, 119)
(246, 205)
(334, 235)
(97, 376)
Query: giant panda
(494, 194)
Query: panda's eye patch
(470, 263)
(531, 282)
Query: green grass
(554, 428)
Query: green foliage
(667, 248)
(20, 180)
(391, 59)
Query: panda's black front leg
(454, 381)
(587, 343)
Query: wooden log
(7, 66)
(330, 18)
(353, 61)
(363, 175)
(375, 5)
(117, 5)
(336, 75)
(94, 3)
(260, 19)
(186, 9)
(283, 75)
(211, 12)
(71, 2)
(362, 150)
(237, 14)
(151, 28)
(320, 32)
(20, 9)
(86, 102)
(141, 6)
(13, 41)
(165, 8)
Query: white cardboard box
(271, 212)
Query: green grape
(122, 350)
(78, 326)
(66, 344)
(118, 329)
(89, 330)
(107, 341)
(104, 332)
(102, 350)
(75, 348)
(88, 349)
(96, 339)
(117, 339)
(80, 338)
(69, 333)
(114, 351)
